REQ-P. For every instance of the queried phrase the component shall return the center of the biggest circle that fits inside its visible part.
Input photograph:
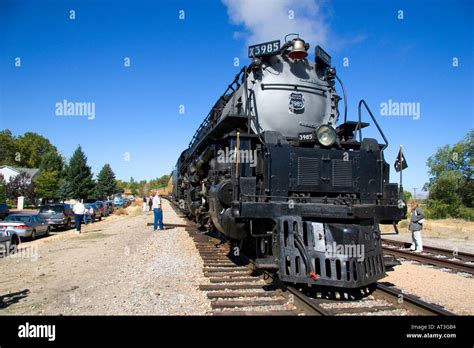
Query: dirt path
(118, 266)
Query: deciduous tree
(451, 184)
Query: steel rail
(456, 265)
(413, 302)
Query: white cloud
(266, 20)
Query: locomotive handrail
(362, 101)
(208, 118)
(345, 97)
(293, 86)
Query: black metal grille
(308, 171)
(341, 173)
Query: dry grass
(121, 211)
(452, 229)
(137, 203)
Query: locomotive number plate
(306, 137)
(264, 49)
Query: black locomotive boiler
(273, 170)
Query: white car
(25, 225)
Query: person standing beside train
(157, 212)
(150, 202)
(416, 225)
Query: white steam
(266, 20)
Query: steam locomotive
(272, 171)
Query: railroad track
(444, 258)
(377, 299)
(236, 288)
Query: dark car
(98, 212)
(102, 209)
(109, 205)
(58, 215)
(4, 211)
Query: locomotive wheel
(263, 247)
(257, 247)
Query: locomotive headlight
(326, 135)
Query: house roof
(32, 172)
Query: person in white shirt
(79, 210)
(157, 213)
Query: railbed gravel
(116, 267)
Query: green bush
(440, 210)
(466, 213)
(437, 210)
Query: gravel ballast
(116, 267)
(453, 291)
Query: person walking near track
(144, 204)
(416, 225)
(157, 212)
(150, 202)
(79, 209)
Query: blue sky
(190, 62)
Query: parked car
(58, 215)
(4, 211)
(102, 208)
(98, 213)
(118, 202)
(25, 225)
(109, 205)
(9, 241)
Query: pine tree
(106, 183)
(65, 190)
(79, 175)
(52, 161)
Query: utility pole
(414, 193)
